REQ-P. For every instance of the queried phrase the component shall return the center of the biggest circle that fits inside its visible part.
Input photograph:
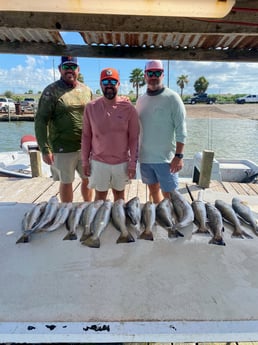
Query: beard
(110, 92)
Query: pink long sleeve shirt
(110, 132)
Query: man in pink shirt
(110, 139)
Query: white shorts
(104, 176)
(65, 165)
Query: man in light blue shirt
(163, 133)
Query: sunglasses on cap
(72, 67)
(154, 73)
(105, 82)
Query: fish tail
(91, 242)
(237, 234)
(217, 240)
(84, 236)
(125, 238)
(70, 236)
(245, 234)
(174, 233)
(23, 239)
(202, 230)
(146, 235)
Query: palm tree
(201, 85)
(137, 78)
(80, 78)
(181, 82)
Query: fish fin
(219, 241)
(125, 239)
(174, 233)
(23, 239)
(146, 235)
(70, 236)
(91, 242)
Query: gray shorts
(65, 165)
(104, 176)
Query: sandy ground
(244, 111)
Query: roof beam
(227, 55)
(235, 22)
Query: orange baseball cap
(109, 73)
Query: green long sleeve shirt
(58, 121)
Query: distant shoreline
(225, 111)
(202, 111)
(14, 117)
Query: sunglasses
(105, 82)
(154, 73)
(72, 67)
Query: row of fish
(210, 217)
(94, 217)
(173, 214)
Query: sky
(20, 73)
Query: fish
(87, 217)
(61, 216)
(245, 213)
(215, 223)
(73, 221)
(164, 216)
(148, 220)
(46, 218)
(29, 221)
(99, 224)
(183, 210)
(229, 215)
(48, 215)
(119, 221)
(200, 216)
(133, 211)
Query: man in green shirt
(58, 128)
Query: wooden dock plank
(229, 187)
(42, 188)
(248, 189)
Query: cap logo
(109, 72)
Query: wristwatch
(179, 155)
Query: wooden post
(35, 163)
(206, 168)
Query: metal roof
(233, 38)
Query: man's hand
(86, 170)
(176, 165)
(131, 173)
(48, 158)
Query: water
(228, 138)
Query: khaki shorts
(104, 176)
(65, 165)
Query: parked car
(31, 101)
(247, 99)
(7, 104)
(202, 98)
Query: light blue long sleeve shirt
(162, 124)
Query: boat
(223, 170)
(17, 163)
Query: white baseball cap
(154, 65)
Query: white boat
(17, 163)
(226, 170)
